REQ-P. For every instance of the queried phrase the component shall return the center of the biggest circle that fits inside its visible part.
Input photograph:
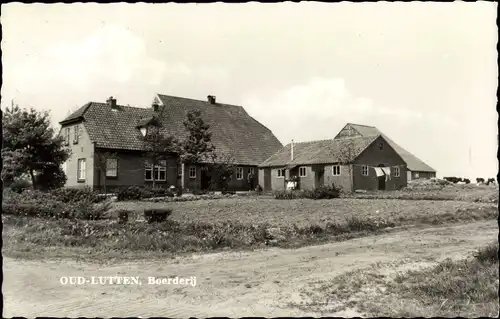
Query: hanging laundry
(379, 171)
(387, 171)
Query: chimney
(211, 99)
(291, 153)
(111, 103)
(155, 107)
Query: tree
(157, 146)
(346, 156)
(197, 146)
(101, 164)
(480, 180)
(30, 145)
(222, 170)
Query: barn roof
(318, 152)
(413, 163)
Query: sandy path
(259, 283)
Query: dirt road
(259, 283)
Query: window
(281, 173)
(250, 171)
(336, 170)
(417, 175)
(396, 172)
(66, 136)
(81, 169)
(364, 170)
(111, 167)
(302, 172)
(159, 173)
(239, 173)
(192, 171)
(76, 131)
(381, 146)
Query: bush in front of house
(323, 192)
(73, 195)
(480, 180)
(466, 181)
(134, 193)
(34, 203)
(18, 186)
(157, 215)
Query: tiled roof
(413, 163)
(234, 132)
(317, 152)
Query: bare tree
(157, 147)
(346, 156)
(222, 170)
(102, 159)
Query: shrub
(18, 186)
(123, 216)
(480, 180)
(323, 192)
(51, 177)
(199, 192)
(73, 195)
(488, 254)
(134, 193)
(490, 181)
(86, 209)
(452, 179)
(467, 181)
(157, 215)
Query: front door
(267, 179)
(320, 176)
(206, 178)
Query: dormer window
(144, 130)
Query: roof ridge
(334, 139)
(119, 105)
(362, 125)
(197, 100)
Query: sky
(423, 73)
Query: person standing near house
(250, 180)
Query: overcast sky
(425, 74)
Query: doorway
(206, 178)
(267, 179)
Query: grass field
(451, 288)
(302, 212)
(469, 193)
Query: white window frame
(162, 167)
(67, 135)
(397, 172)
(364, 168)
(417, 175)
(111, 167)
(336, 172)
(280, 173)
(81, 169)
(192, 172)
(300, 171)
(239, 173)
(76, 132)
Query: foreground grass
(460, 288)
(467, 193)
(231, 224)
(306, 212)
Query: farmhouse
(97, 129)
(359, 162)
(416, 168)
